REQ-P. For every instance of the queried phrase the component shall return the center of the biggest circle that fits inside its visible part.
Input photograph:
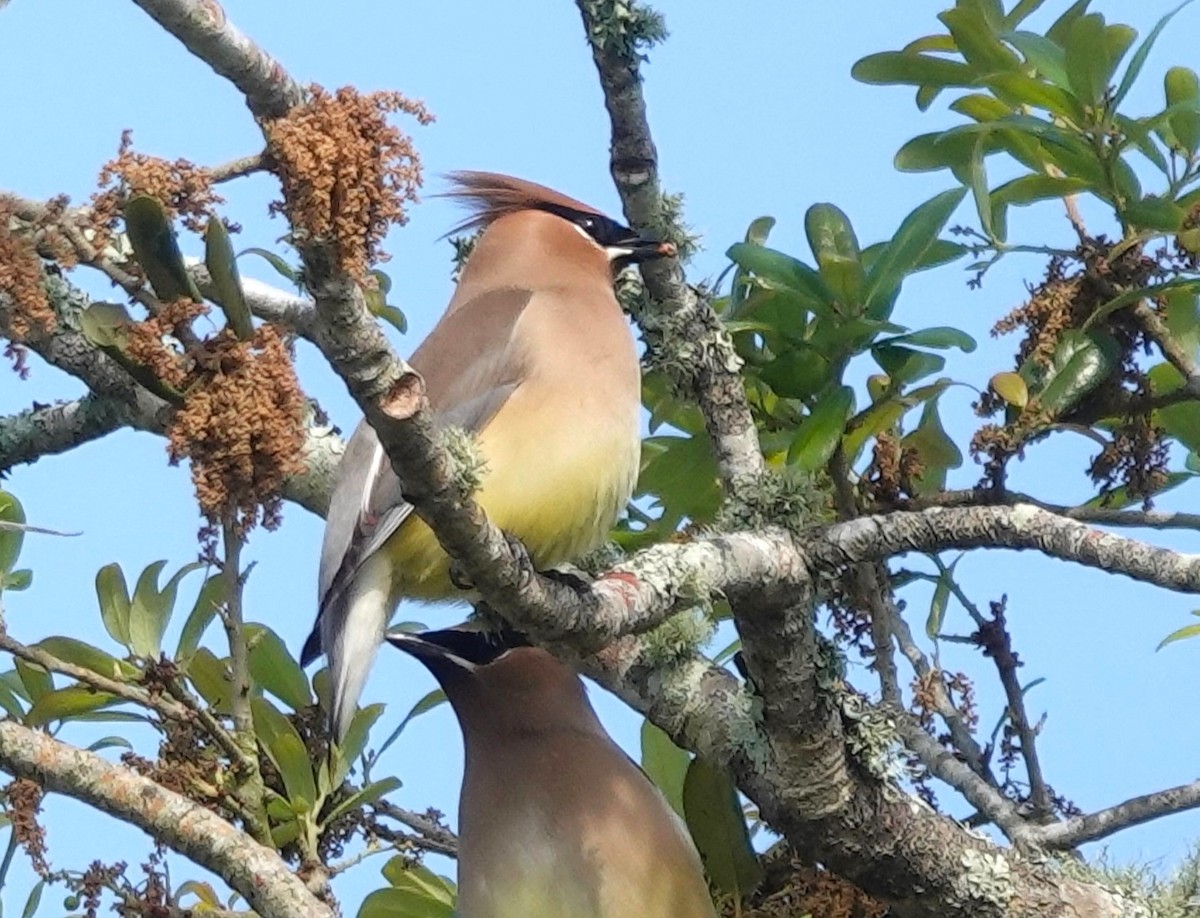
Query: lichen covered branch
(256, 872)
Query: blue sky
(753, 114)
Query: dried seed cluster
(184, 189)
(347, 173)
(241, 426)
(21, 277)
(24, 799)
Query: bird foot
(568, 578)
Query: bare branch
(1021, 527)
(1081, 829)
(1100, 516)
(203, 28)
(52, 429)
(257, 873)
(237, 168)
(680, 313)
(431, 834)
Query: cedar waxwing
(535, 358)
(555, 820)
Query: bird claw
(569, 579)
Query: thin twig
(1070, 833)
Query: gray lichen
(625, 28)
(468, 467)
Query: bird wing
(471, 365)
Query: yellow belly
(560, 500)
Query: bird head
(497, 679)
(492, 196)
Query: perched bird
(535, 358)
(555, 821)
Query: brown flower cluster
(184, 189)
(24, 803)
(347, 173)
(893, 471)
(145, 342)
(189, 764)
(816, 892)
(241, 426)
(21, 278)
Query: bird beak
(430, 652)
(638, 248)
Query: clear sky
(754, 112)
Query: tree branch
(1099, 516)
(257, 873)
(1081, 829)
(202, 27)
(1020, 527)
(680, 315)
(52, 429)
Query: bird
(555, 820)
(533, 357)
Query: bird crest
(490, 196)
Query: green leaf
(681, 474)
(11, 540)
(896, 67)
(1187, 631)
(17, 580)
(280, 266)
(718, 827)
(1031, 188)
(1081, 362)
(1156, 214)
(114, 602)
(941, 336)
(916, 234)
(1129, 297)
(797, 373)
(976, 41)
(202, 891)
(782, 270)
(403, 874)
(904, 365)
(821, 431)
(938, 452)
(1058, 32)
(208, 603)
(1182, 87)
(1120, 498)
(423, 706)
(287, 752)
(105, 324)
(937, 608)
(1044, 56)
(930, 152)
(65, 703)
(272, 667)
(1012, 388)
(34, 900)
(1018, 89)
(36, 681)
(834, 245)
(9, 701)
(109, 742)
(223, 269)
(1022, 11)
(403, 903)
(1181, 420)
(1139, 56)
(150, 609)
(368, 794)
(393, 316)
(157, 250)
(91, 658)
(665, 763)
(355, 740)
(210, 676)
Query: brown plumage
(535, 358)
(555, 821)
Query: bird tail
(351, 631)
